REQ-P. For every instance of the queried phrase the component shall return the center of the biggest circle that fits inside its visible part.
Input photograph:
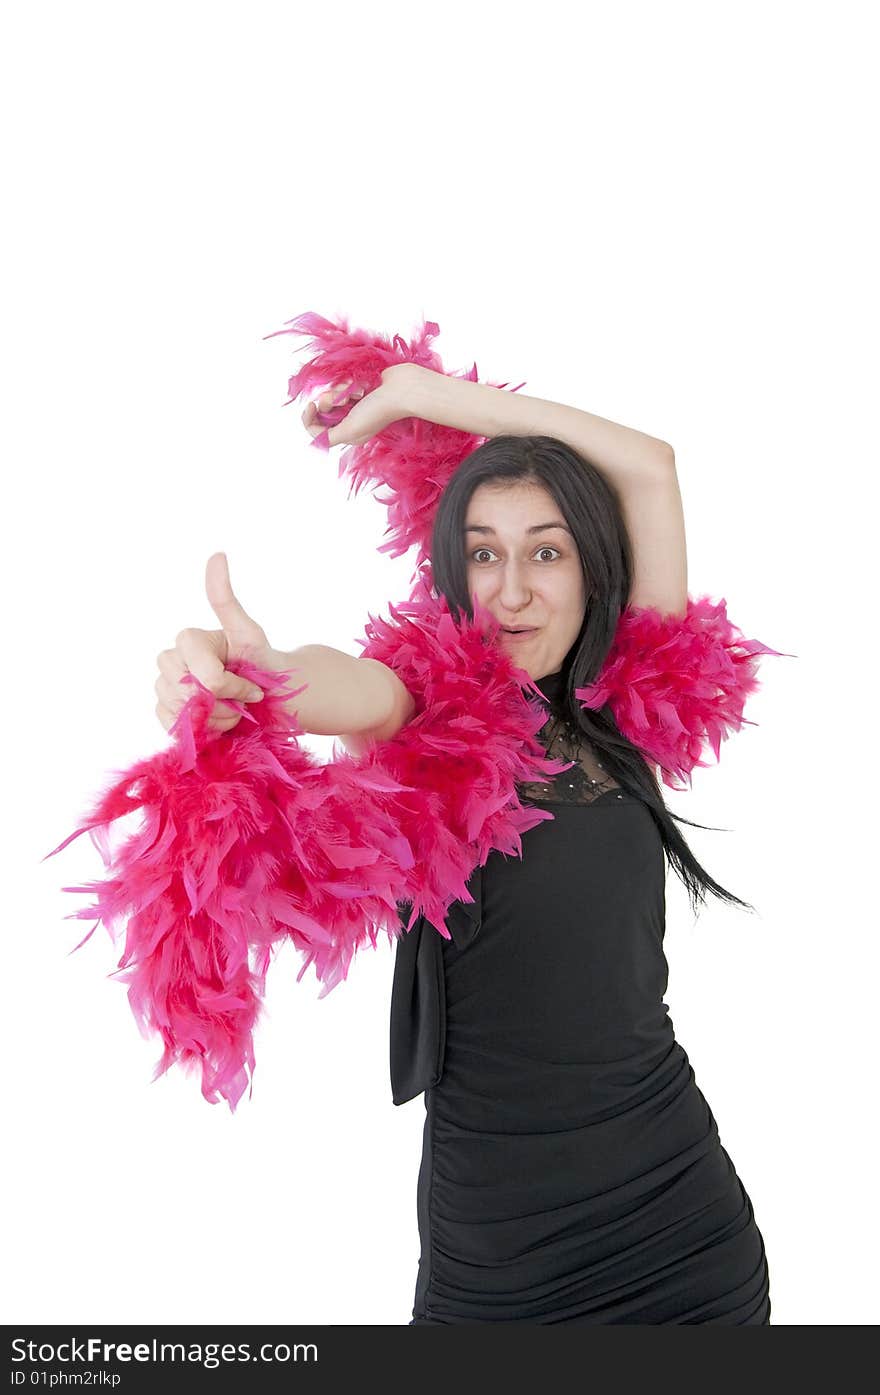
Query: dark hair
(592, 511)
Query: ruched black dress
(572, 1170)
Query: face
(524, 567)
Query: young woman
(572, 1170)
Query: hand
(354, 415)
(206, 652)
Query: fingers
(194, 654)
(310, 420)
(238, 626)
(333, 397)
(204, 653)
(336, 396)
(169, 715)
(196, 650)
(174, 695)
(172, 698)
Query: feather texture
(412, 459)
(676, 684)
(246, 838)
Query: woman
(572, 1170)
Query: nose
(513, 592)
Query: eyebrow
(537, 528)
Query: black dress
(572, 1170)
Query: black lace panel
(584, 783)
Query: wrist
(475, 408)
(410, 388)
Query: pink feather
(412, 459)
(677, 683)
(247, 839)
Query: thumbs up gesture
(205, 653)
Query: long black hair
(592, 511)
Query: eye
(544, 548)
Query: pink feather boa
(413, 459)
(245, 839)
(674, 683)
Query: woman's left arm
(640, 468)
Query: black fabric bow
(418, 993)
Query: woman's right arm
(356, 699)
(359, 700)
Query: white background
(659, 213)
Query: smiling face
(526, 573)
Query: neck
(551, 685)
